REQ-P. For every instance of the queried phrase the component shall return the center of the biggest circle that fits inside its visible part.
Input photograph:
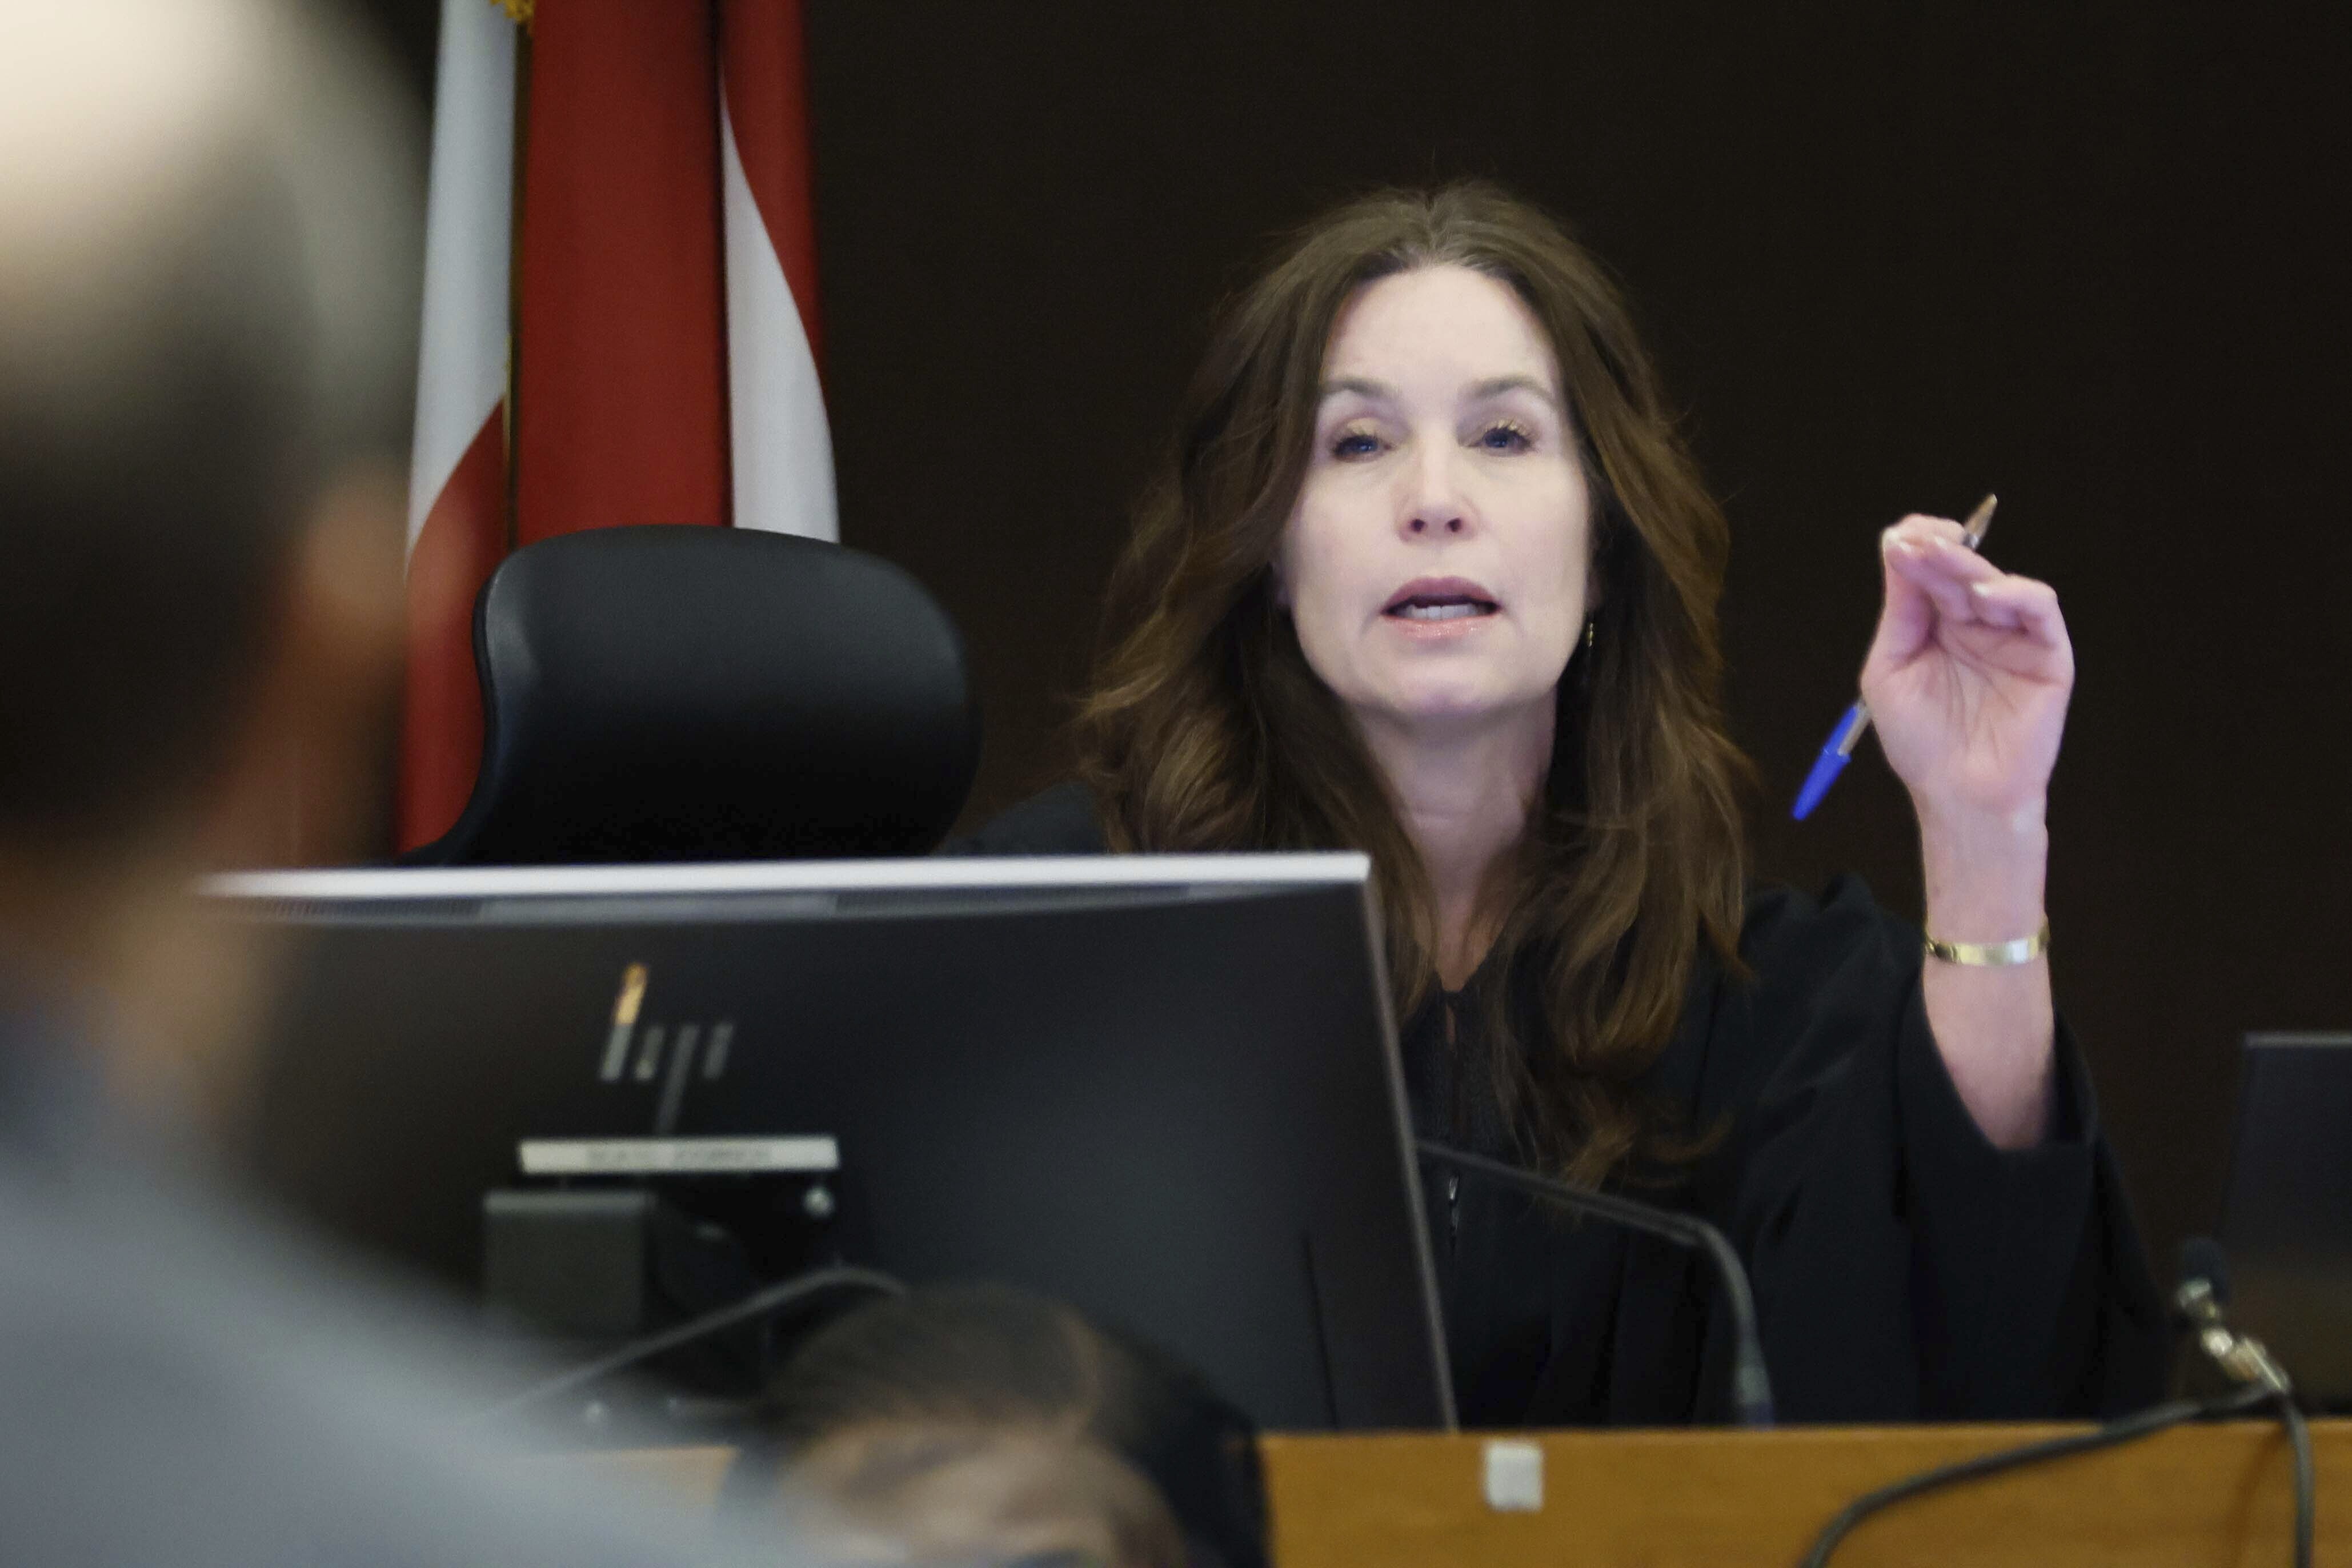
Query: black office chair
(696, 694)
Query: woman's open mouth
(1441, 609)
(1429, 599)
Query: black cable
(758, 1304)
(2306, 1477)
(2198, 1305)
(1752, 1388)
(2127, 1430)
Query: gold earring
(1591, 630)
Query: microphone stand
(1751, 1388)
(2260, 1381)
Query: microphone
(1752, 1389)
(2203, 1292)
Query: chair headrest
(669, 693)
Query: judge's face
(1435, 562)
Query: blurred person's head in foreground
(207, 219)
(982, 1423)
(207, 211)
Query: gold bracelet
(1992, 955)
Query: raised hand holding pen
(1967, 682)
(1969, 676)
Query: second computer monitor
(1163, 1089)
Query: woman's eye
(1504, 437)
(1355, 444)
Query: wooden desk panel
(2207, 1496)
(2202, 1497)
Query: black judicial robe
(1904, 1268)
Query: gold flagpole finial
(518, 11)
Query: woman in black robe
(1431, 575)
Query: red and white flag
(667, 335)
(783, 448)
(457, 477)
(621, 388)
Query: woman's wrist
(1984, 872)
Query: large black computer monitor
(2286, 1212)
(1164, 1088)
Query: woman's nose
(1436, 505)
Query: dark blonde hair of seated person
(919, 1491)
(984, 1423)
(1205, 729)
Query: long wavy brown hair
(1205, 729)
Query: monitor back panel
(2286, 1214)
(1190, 1124)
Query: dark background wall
(1892, 255)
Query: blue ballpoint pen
(1848, 734)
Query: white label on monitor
(659, 1157)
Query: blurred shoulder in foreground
(208, 217)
